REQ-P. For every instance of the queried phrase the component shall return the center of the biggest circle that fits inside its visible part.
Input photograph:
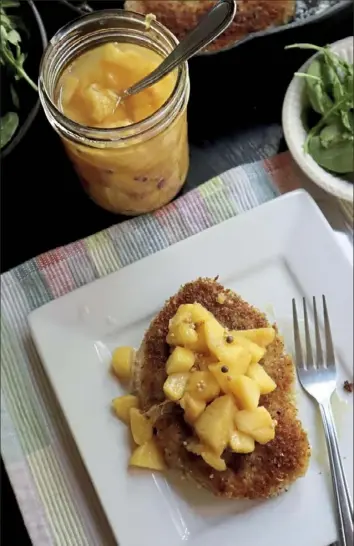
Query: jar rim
(97, 135)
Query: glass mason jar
(128, 170)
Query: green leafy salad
(329, 89)
(12, 59)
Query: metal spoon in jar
(210, 27)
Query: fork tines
(309, 361)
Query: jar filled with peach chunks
(131, 155)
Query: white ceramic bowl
(295, 132)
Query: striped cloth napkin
(58, 503)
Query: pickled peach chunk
(114, 54)
(203, 361)
(200, 313)
(256, 423)
(241, 442)
(257, 352)
(193, 312)
(246, 392)
(183, 334)
(192, 317)
(122, 406)
(215, 424)
(193, 407)
(186, 327)
(139, 110)
(175, 385)
(227, 353)
(140, 426)
(203, 386)
(215, 334)
(213, 460)
(260, 376)
(225, 375)
(67, 92)
(100, 102)
(181, 360)
(148, 456)
(122, 361)
(199, 346)
(261, 336)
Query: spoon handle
(209, 28)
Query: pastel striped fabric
(54, 493)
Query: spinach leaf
(14, 97)
(346, 119)
(326, 118)
(334, 133)
(338, 158)
(5, 4)
(351, 121)
(8, 127)
(316, 91)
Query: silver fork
(318, 377)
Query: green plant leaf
(304, 46)
(13, 37)
(338, 158)
(8, 127)
(3, 35)
(15, 97)
(349, 86)
(351, 121)
(346, 120)
(316, 92)
(11, 54)
(336, 73)
(331, 134)
(5, 20)
(325, 120)
(334, 133)
(6, 4)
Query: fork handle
(340, 486)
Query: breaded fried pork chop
(270, 468)
(180, 16)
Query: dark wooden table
(234, 117)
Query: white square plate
(278, 251)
